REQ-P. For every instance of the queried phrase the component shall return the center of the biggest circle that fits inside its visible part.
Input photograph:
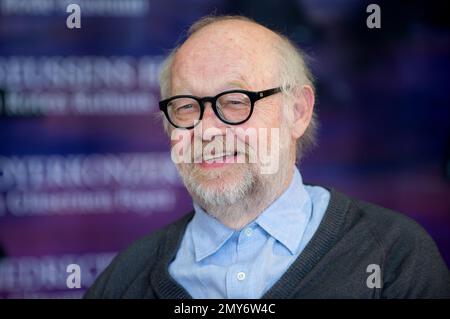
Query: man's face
(222, 57)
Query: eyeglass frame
(252, 95)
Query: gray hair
(293, 73)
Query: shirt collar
(285, 220)
(287, 217)
(208, 233)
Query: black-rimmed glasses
(232, 107)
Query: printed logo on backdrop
(65, 85)
(35, 86)
(139, 183)
(91, 8)
(51, 276)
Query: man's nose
(210, 119)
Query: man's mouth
(217, 160)
(219, 157)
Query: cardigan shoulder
(412, 264)
(128, 273)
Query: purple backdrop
(85, 167)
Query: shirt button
(241, 276)
(248, 232)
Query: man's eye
(235, 103)
(186, 107)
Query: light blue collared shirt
(214, 261)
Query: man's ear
(303, 109)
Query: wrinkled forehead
(224, 56)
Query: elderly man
(238, 105)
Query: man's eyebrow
(241, 83)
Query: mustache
(218, 147)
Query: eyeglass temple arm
(268, 92)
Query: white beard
(226, 193)
(210, 193)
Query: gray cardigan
(352, 235)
